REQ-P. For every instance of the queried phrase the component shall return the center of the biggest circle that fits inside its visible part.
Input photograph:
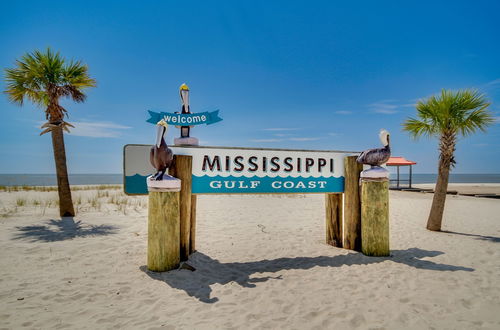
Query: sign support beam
(182, 169)
(333, 205)
(352, 205)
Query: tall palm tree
(43, 78)
(448, 116)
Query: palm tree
(448, 116)
(43, 78)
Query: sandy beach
(467, 188)
(261, 263)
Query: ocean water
(50, 179)
(454, 178)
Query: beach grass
(6, 212)
(21, 201)
(54, 188)
(95, 198)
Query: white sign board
(225, 170)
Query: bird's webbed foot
(159, 177)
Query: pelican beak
(159, 135)
(184, 91)
(162, 128)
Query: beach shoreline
(461, 188)
(466, 188)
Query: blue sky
(308, 75)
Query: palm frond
(43, 78)
(464, 112)
(478, 119)
(418, 128)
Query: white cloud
(282, 134)
(384, 107)
(343, 112)
(266, 140)
(304, 139)
(385, 111)
(280, 129)
(296, 139)
(490, 85)
(97, 129)
(493, 82)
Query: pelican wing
(375, 157)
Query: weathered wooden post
(333, 203)
(375, 216)
(352, 205)
(182, 169)
(192, 236)
(163, 229)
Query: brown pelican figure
(184, 93)
(377, 157)
(161, 156)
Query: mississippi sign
(185, 119)
(225, 170)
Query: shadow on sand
(479, 237)
(60, 230)
(210, 271)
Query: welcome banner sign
(225, 170)
(185, 119)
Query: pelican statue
(184, 93)
(185, 139)
(376, 157)
(161, 156)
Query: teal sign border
(136, 185)
(276, 185)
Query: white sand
(262, 264)
(466, 188)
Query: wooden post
(192, 237)
(182, 169)
(410, 178)
(333, 204)
(163, 231)
(375, 217)
(352, 205)
(397, 186)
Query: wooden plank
(163, 231)
(182, 169)
(192, 237)
(333, 204)
(352, 205)
(375, 217)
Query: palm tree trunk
(447, 149)
(437, 209)
(65, 201)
